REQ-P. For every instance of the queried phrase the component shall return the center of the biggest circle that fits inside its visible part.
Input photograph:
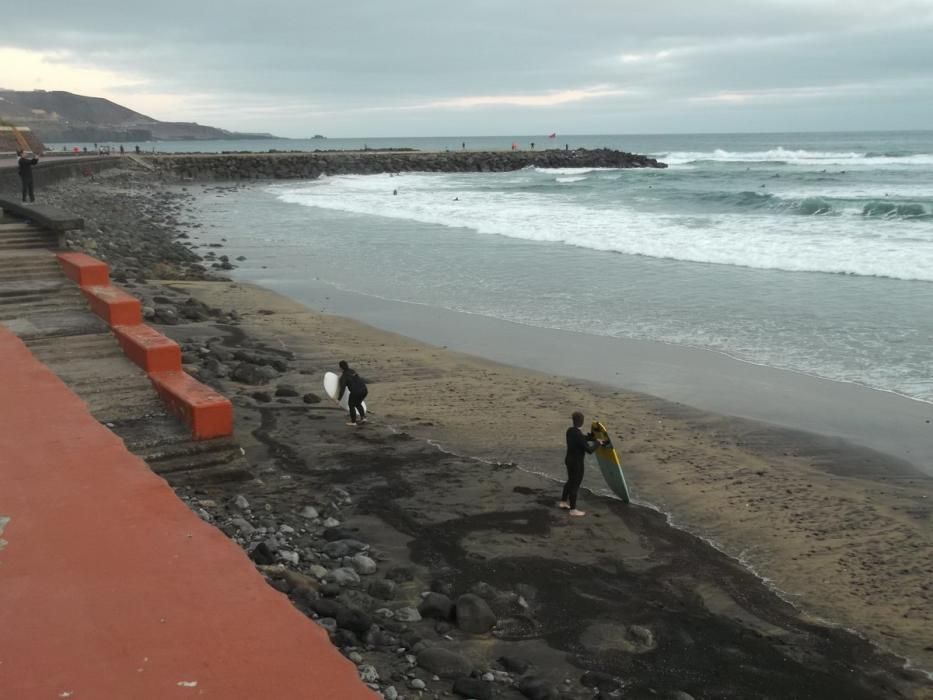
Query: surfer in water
(349, 379)
(578, 446)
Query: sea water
(812, 252)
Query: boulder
(344, 576)
(363, 565)
(382, 589)
(474, 615)
(537, 689)
(514, 664)
(354, 620)
(443, 662)
(311, 398)
(473, 688)
(437, 606)
(407, 615)
(286, 390)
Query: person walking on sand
(24, 165)
(350, 380)
(578, 446)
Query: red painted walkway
(111, 588)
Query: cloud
(486, 66)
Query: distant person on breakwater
(578, 446)
(349, 379)
(24, 164)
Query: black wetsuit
(24, 166)
(577, 448)
(358, 392)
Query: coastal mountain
(64, 116)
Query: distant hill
(63, 116)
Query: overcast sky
(488, 67)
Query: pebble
(241, 502)
(309, 512)
(290, 557)
(355, 657)
(363, 565)
(417, 684)
(317, 571)
(368, 674)
(343, 577)
(390, 693)
(407, 615)
(328, 623)
(331, 522)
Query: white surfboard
(331, 384)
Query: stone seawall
(282, 166)
(50, 172)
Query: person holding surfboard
(353, 382)
(578, 446)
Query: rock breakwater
(279, 166)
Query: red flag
(552, 136)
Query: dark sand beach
(452, 487)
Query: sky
(488, 67)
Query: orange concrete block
(114, 305)
(207, 413)
(84, 270)
(148, 348)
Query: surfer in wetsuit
(24, 165)
(349, 379)
(578, 446)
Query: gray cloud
(372, 67)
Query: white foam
(850, 245)
(796, 157)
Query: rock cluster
(257, 166)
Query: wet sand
(843, 532)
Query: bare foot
(564, 505)
(578, 513)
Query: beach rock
(407, 615)
(603, 682)
(326, 607)
(537, 689)
(240, 502)
(334, 533)
(363, 565)
(328, 623)
(474, 615)
(286, 390)
(437, 606)
(262, 554)
(317, 571)
(330, 523)
(443, 663)
(261, 396)
(514, 664)
(311, 398)
(679, 695)
(473, 688)
(390, 693)
(382, 589)
(354, 620)
(243, 526)
(417, 684)
(368, 673)
(247, 373)
(309, 512)
(289, 556)
(344, 576)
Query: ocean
(806, 252)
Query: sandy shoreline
(843, 548)
(815, 516)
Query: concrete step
(25, 245)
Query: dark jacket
(577, 446)
(24, 166)
(349, 379)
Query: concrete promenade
(110, 587)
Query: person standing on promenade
(578, 446)
(352, 381)
(24, 164)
